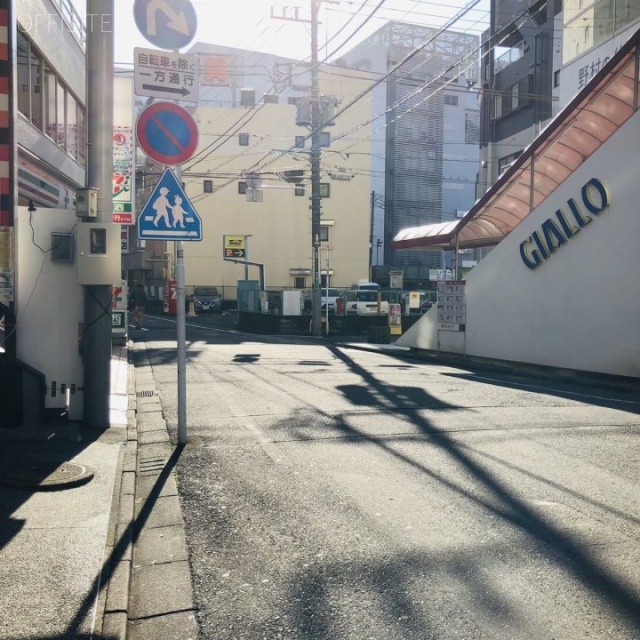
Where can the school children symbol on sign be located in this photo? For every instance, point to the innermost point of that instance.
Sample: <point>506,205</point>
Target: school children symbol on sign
<point>168,214</point>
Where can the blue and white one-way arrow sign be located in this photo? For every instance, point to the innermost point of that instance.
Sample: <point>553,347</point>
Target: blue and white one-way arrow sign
<point>168,24</point>
<point>168,214</point>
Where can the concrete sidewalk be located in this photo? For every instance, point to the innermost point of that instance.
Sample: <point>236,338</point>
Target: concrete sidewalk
<point>64,523</point>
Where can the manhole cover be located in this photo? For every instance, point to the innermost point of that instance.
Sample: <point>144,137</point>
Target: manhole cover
<point>46,475</point>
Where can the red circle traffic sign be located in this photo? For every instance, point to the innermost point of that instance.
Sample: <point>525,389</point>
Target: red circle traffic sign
<point>167,133</point>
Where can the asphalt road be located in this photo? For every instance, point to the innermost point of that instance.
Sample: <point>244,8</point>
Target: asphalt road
<point>331,494</point>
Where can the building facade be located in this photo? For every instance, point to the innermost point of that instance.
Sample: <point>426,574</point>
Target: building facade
<point>549,293</point>
<point>425,132</point>
<point>520,64</point>
<point>535,60</point>
<point>250,177</point>
<point>43,88</point>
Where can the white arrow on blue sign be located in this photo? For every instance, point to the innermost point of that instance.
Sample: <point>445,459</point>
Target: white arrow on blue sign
<point>168,214</point>
<point>168,24</point>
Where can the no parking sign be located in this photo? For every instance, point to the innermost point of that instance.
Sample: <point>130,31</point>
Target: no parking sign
<point>167,133</point>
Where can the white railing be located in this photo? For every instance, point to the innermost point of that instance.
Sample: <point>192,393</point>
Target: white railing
<point>73,20</point>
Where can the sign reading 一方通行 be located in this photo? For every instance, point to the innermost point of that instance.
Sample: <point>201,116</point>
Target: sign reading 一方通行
<point>234,247</point>
<point>163,74</point>
<point>169,214</point>
<point>167,133</point>
<point>167,24</point>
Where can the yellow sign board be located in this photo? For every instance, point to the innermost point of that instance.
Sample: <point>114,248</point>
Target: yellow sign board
<point>234,246</point>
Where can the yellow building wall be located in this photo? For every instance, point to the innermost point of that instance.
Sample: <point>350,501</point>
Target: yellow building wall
<point>280,225</point>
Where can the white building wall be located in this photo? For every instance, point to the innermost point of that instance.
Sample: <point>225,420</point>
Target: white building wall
<point>580,308</point>
<point>48,295</point>
<point>576,74</point>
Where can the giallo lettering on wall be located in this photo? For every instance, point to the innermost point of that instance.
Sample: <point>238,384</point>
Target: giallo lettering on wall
<point>555,232</point>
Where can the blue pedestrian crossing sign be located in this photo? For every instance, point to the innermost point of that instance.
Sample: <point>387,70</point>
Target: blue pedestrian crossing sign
<point>168,214</point>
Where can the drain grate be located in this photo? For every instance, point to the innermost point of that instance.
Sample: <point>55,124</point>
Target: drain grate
<point>152,466</point>
<point>144,394</point>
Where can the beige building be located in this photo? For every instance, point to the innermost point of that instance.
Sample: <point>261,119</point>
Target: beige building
<point>250,177</point>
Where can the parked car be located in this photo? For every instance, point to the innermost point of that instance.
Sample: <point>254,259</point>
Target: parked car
<point>364,302</point>
<point>365,286</point>
<point>329,297</point>
<point>207,299</point>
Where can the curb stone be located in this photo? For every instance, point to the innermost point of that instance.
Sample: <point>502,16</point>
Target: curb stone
<point>121,528</point>
<point>160,603</point>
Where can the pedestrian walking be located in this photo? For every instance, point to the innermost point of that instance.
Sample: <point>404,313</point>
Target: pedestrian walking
<point>139,303</point>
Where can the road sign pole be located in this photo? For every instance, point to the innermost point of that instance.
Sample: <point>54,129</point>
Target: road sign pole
<point>182,345</point>
<point>181,336</point>
<point>168,134</point>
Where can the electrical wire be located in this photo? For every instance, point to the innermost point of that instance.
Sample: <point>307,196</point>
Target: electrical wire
<point>523,15</point>
<point>420,89</point>
<point>260,165</point>
<point>385,75</point>
<point>345,42</point>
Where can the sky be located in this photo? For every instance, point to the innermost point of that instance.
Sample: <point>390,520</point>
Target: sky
<point>248,24</point>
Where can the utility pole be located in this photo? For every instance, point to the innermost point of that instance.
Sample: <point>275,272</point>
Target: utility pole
<point>316,127</point>
<point>316,297</point>
<point>371,214</point>
<point>97,298</point>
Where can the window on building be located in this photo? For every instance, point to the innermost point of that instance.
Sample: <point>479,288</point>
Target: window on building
<point>30,89</point>
<point>450,100</point>
<point>292,100</point>
<point>47,103</point>
<point>81,135</point>
<point>72,126</point>
<point>23,73</point>
<point>207,186</point>
<point>243,139</point>
<point>514,97</point>
<point>51,102</point>
<point>242,188</point>
<point>324,234</point>
<point>299,190</point>
<point>61,99</point>
<point>505,162</point>
<point>300,140</point>
<point>325,190</point>
<point>35,87</point>
<point>556,79</point>
<point>325,139</point>
<point>472,126</point>
<point>247,98</point>
<point>299,282</point>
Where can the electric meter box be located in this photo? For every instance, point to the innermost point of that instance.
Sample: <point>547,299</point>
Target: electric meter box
<point>87,202</point>
<point>98,253</point>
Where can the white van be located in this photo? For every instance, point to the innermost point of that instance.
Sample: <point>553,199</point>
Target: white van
<point>364,302</point>
<point>365,286</point>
